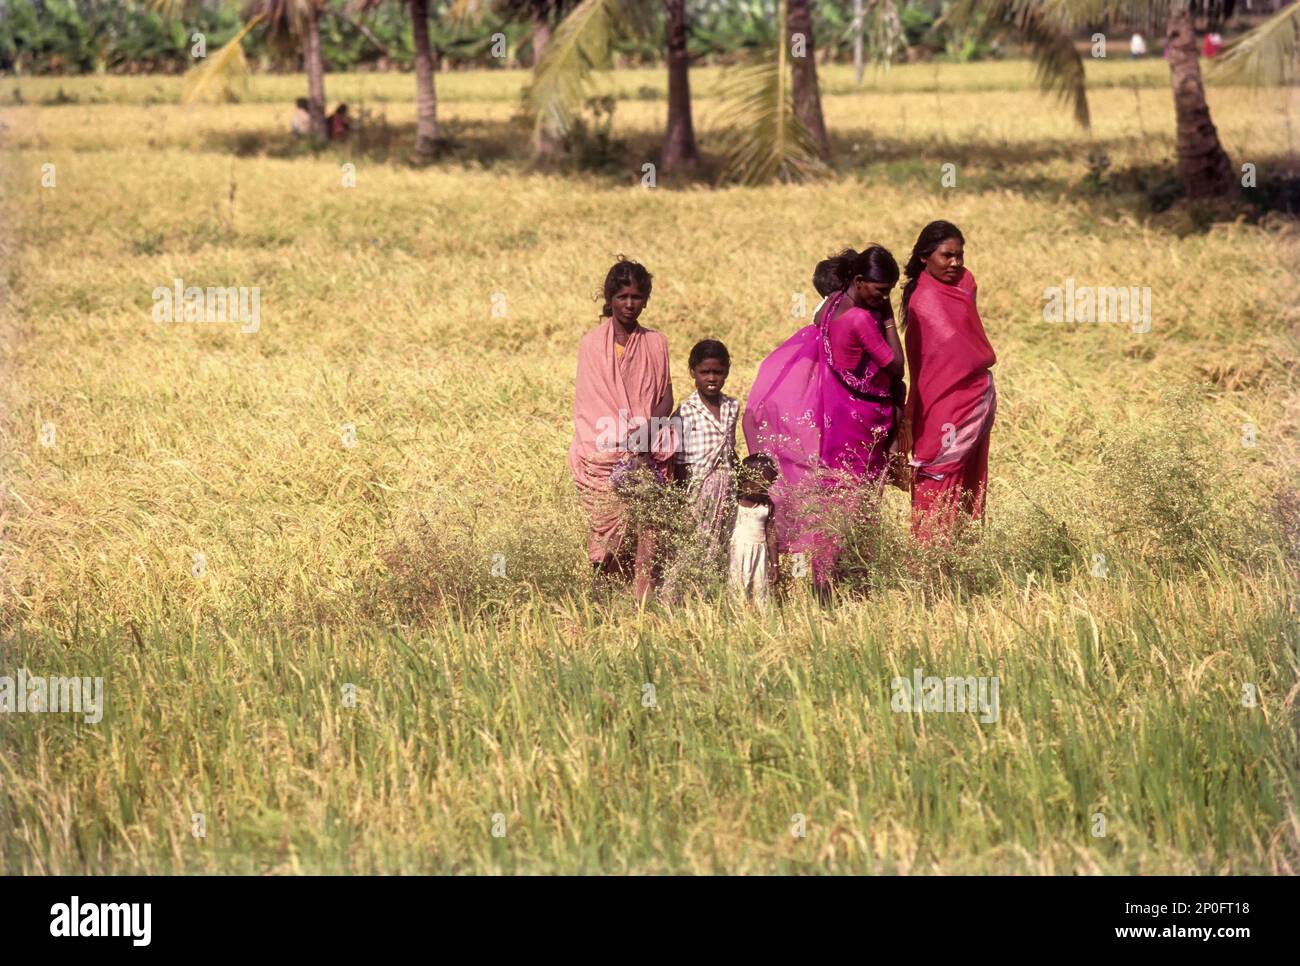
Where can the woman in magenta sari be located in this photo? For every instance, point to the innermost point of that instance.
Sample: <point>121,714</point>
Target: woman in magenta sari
<point>825,406</point>
<point>950,409</point>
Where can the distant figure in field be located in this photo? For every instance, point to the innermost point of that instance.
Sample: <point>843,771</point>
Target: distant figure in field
<point>301,118</point>
<point>621,425</point>
<point>950,408</point>
<point>754,559</point>
<point>340,124</point>
<point>1137,47</point>
<point>1212,45</point>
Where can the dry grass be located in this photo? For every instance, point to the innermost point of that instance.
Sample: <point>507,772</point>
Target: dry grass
<point>328,565</point>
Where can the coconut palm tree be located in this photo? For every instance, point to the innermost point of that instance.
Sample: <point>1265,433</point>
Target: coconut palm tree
<point>542,14</point>
<point>426,92</point>
<point>426,95</point>
<point>1265,55</point>
<point>290,23</point>
<point>766,140</point>
<point>807,93</point>
<point>679,150</point>
<point>581,44</point>
<point>1202,162</point>
<point>297,22</point>
<point>776,128</point>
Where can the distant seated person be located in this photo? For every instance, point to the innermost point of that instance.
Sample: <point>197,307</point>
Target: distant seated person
<point>301,118</point>
<point>1213,44</point>
<point>1137,47</point>
<point>339,123</point>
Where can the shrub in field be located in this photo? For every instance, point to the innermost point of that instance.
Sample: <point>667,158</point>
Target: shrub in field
<point>435,567</point>
<point>590,143</point>
<point>1158,483</point>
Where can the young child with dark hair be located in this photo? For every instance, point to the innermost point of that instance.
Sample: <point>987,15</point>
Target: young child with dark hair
<point>754,559</point>
<point>706,455</point>
<point>826,280</point>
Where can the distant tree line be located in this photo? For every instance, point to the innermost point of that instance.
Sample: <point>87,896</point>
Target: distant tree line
<point>777,129</point>
<point>144,36</point>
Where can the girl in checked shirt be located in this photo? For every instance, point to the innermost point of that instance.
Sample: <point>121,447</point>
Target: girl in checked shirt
<point>706,456</point>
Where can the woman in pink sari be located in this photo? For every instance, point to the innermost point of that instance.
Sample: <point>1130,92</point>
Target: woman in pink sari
<point>621,421</point>
<point>950,410</point>
<point>825,406</point>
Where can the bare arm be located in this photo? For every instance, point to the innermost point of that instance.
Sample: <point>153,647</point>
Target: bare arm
<point>895,368</point>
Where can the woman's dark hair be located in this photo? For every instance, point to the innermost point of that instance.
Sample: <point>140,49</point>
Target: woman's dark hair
<point>625,272</point>
<point>932,236</point>
<point>761,463</point>
<point>709,349</point>
<point>873,263</point>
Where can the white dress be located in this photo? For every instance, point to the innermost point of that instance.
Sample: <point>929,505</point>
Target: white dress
<point>749,552</point>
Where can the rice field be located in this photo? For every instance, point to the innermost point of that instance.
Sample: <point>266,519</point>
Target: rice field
<point>332,570</point>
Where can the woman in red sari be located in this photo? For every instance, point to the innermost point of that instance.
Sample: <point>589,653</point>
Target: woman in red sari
<point>950,408</point>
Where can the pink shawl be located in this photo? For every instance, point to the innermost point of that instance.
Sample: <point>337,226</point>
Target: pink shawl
<point>614,405</point>
<point>818,423</point>
<point>952,402</point>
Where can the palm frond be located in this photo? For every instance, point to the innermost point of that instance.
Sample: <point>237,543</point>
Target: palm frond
<point>1265,56</point>
<point>224,73</point>
<point>1044,26</point>
<point>1057,62</point>
<point>286,20</point>
<point>764,140</point>
<point>581,44</point>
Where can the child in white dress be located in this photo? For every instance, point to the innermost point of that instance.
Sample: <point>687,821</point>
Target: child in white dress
<point>754,556</point>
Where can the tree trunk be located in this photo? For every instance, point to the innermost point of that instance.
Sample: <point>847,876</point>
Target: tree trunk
<point>857,42</point>
<point>807,95</point>
<point>314,64</point>
<point>679,142</point>
<point>1202,162</point>
<point>541,30</point>
<point>426,95</point>
<point>546,146</point>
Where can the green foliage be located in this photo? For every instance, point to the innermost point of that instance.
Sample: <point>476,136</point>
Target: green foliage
<point>81,36</point>
<point>590,143</point>
<point>130,36</point>
<point>917,23</point>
